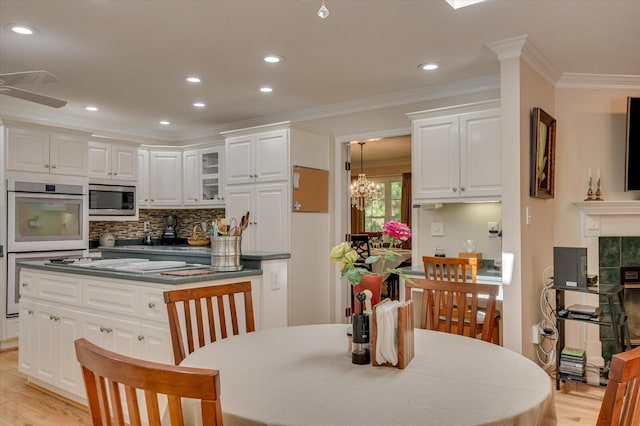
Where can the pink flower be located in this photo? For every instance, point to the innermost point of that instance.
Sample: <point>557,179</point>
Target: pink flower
<point>397,230</point>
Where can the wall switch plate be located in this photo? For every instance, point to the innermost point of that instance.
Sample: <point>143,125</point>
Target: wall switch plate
<point>147,226</point>
<point>437,229</point>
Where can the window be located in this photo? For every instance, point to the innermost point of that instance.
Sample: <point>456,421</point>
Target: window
<point>385,208</point>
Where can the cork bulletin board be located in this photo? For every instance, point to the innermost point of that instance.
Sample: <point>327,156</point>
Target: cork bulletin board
<point>310,190</point>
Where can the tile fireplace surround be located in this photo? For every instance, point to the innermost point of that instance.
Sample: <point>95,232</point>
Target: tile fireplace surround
<point>600,219</point>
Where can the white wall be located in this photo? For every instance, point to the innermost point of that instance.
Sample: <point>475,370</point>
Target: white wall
<point>310,289</point>
<point>462,222</point>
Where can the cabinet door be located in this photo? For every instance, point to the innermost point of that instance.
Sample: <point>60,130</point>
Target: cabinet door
<point>272,222</point>
<point>142,189</point>
<point>212,175</point>
<point>68,154</point>
<point>190,178</point>
<point>124,161</point>
<point>435,158</point>
<point>28,150</point>
<point>155,344</point>
<point>165,178</point>
<point>272,156</point>
<point>240,159</point>
<point>116,335</point>
<point>99,160</point>
<point>480,147</point>
<point>240,200</point>
<point>27,343</point>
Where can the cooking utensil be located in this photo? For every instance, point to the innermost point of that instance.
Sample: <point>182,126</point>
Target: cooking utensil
<point>246,221</point>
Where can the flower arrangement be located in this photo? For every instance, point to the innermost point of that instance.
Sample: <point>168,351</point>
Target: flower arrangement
<point>346,257</point>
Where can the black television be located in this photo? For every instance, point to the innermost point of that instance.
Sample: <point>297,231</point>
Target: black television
<point>632,152</point>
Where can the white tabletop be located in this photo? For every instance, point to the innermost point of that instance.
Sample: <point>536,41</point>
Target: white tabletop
<point>303,376</point>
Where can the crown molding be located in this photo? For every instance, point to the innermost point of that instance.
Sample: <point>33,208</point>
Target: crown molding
<point>522,47</point>
<point>598,81</point>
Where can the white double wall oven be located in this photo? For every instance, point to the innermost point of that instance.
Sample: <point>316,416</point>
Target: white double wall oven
<point>45,220</point>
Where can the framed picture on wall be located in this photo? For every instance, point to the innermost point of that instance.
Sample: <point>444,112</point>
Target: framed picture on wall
<point>543,148</point>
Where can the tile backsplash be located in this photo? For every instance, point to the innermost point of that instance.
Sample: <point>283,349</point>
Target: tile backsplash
<point>156,217</point>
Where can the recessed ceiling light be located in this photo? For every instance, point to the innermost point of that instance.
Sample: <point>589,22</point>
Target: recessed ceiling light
<point>91,108</point>
<point>457,4</point>
<point>193,79</point>
<point>273,59</point>
<point>199,104</point>
<point>165,122</point>
<point>22,29</point>
<point>428,66</point>
<point>266,89</point>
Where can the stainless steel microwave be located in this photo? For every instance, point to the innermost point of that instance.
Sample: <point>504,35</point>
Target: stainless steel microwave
<point>112,200</point>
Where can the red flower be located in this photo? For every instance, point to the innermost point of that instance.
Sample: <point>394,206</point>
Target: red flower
<point>397,230</point>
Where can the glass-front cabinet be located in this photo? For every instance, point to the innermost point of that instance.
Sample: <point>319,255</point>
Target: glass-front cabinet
<point>203,176</point>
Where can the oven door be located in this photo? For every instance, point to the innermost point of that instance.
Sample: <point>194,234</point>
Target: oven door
<point>41,222</point>
<point>13,273</point>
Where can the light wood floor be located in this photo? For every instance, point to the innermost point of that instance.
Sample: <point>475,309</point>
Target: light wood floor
<point>23,405</point>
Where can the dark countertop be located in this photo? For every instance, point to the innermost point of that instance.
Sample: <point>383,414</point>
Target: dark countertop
<point>156,278</point>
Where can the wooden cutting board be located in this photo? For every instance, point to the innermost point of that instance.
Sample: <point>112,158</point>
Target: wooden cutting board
<point>188,272</point>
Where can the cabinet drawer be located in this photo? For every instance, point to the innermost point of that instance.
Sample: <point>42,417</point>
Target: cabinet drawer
<point>59,288</point>
<point>28,284</point>
<point>151,305</point>
<point>106,296</point>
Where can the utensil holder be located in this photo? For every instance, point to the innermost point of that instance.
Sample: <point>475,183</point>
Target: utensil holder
<point>225,253</point>
<point>406,350</point>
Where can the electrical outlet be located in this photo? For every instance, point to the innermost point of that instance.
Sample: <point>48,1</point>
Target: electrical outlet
<point>493,229</point>
<point>275,281</point>
<point>536,331</point>
<point>147,226</point>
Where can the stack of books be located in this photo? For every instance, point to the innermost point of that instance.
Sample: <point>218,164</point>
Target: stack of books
<point>572,363</point>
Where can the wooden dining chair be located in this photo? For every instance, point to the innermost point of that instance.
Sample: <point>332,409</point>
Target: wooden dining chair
<point>621,402</point>
<point>360,243</point>
<point>440,312</point>
<point>457,269</point>
<point>202,315</point>
<point>113,382</point>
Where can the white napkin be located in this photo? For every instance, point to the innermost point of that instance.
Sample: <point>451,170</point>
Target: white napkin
<point>387,328</point>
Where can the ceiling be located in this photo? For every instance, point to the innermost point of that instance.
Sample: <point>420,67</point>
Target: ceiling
<point>131,58</point>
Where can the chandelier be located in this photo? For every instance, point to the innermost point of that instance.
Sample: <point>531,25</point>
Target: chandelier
<point>363,190</point>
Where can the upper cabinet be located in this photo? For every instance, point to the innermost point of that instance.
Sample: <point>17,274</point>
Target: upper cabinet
<point>260,157</point>
<point>165,178</point>
<point>203,176</point>
<point>112,161</point>
<point>50,151</point>
<point>456,153</point>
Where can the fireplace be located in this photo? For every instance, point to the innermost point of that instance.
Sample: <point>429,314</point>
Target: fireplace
<point>630,280</point>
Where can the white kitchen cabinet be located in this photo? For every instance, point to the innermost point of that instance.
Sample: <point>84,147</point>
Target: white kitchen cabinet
<point>269,207</point>
<point>258,157</point>
<point>203,177</point>
<point>142,189</point>
<point>165,178</point>
<point>27,353</point>
<point>31,149</point>
<point>112,161</point>
<point>456,156</point>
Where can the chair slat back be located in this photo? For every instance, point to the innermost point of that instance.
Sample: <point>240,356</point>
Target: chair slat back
<point>621,402</point>
<point>441,312</point>
<point>360,243</point>
<point>197,314</point>
<point>450,268</point>
<point>110,377</point>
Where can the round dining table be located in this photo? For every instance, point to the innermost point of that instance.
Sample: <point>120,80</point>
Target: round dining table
<point>303,375</point>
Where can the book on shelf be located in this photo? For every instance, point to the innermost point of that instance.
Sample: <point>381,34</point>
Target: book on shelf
<point>573,352</point>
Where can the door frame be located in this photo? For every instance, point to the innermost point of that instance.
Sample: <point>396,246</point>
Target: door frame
<point>342,212</point>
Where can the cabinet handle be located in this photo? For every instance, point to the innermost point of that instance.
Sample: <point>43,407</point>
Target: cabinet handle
<point>462,188</point>
<point>153,199</point>
<point>54,318</point>
<point>30,311</point>
<point>46,166</point>
<point>140,338</point>
<point>455,189</point>
<point>105,330</point>
<point>146,199</point>
<point>25,284</point>
<point>53,166</point>
<point>109,173</point>
<point>115,174</point>
<point>151,305</point>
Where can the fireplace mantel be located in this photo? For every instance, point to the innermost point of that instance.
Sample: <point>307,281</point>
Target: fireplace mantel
<point>602,219</point>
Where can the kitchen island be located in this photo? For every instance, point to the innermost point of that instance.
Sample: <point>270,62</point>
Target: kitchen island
<point>120,311</point>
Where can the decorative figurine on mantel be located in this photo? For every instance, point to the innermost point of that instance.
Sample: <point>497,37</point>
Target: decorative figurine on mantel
<point>590,194</point>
